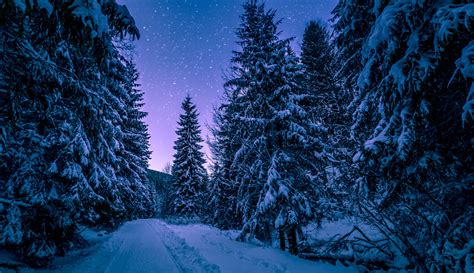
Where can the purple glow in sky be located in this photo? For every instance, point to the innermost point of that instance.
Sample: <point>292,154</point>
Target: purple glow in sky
<point>185,47</point>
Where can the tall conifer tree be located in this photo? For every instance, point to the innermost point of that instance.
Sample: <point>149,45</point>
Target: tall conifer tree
<point>278,144</point>
<point>329,103</point>
<point>223,187</point>
<point>353,20</point>
<point>317,58</point>
<point>414,124</point>
<point>65,92</point>
<point>188,165</point>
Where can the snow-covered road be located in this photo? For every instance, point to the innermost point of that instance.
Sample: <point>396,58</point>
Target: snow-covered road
<point>136,245</point>
<point>152,246</point>
<point>146,246</point>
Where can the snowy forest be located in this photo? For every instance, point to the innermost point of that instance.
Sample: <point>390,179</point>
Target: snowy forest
<point>356,152</point>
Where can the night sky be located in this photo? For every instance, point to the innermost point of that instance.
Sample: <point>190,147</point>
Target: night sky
<point>185,47</point>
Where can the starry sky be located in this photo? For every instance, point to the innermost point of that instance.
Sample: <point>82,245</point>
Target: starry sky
<point>185,47</point>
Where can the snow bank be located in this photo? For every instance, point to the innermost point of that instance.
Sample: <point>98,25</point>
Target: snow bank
<point>231,256</point>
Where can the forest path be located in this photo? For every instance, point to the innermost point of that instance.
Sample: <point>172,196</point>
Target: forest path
<point>146,246</point>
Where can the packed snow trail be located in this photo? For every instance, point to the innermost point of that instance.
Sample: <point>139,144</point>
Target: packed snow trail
<point>132,246</point>
<point>140,246</point>
<point>152,246</point>
<point>146,246</point>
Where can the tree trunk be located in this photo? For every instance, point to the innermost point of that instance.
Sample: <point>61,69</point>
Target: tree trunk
<point>268,233</point>
<point>293,241</point>
<point>281,232</point>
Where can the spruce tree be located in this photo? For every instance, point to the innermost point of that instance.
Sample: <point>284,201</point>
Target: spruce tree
<point>223,187</point>
<point>353,20</point>
<point>279,144</point>
<point>64,156</point>
<point>188,166</point>
<point>329,103</point>
<point>317,58</point>
<point>136,147</point>
<point>413,121</point>
<point>319,67</point>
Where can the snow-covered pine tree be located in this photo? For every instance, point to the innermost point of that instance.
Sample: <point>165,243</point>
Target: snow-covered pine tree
<point>224,144</point>
<point>279,147</point>
<point>136,152</point>
<point>189,175</point>
<point>62,159</point>
<point>329,103</point>
<point>414,121</point>
<point>317,58</point>
<point>353,20</point>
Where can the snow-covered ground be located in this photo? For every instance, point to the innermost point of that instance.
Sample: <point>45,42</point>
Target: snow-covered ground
<point>219,248</point>
<point>146,246</point>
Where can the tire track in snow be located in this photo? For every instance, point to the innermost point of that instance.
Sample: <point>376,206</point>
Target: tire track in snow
<point>188,258</point>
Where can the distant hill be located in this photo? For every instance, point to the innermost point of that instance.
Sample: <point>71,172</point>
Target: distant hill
<point>160,180</point>
<point>162,184</point>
